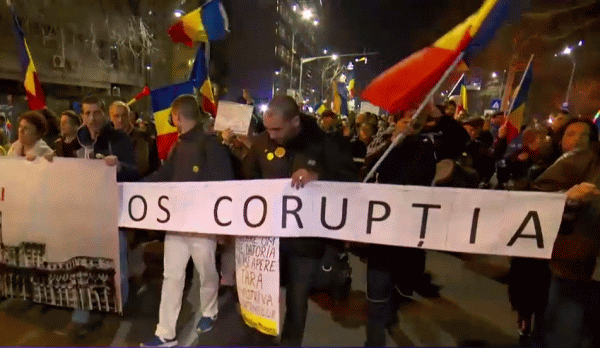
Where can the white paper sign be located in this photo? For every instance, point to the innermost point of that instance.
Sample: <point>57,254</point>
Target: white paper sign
<point>235,116</point>
<point>460,220</point>
<point>257,275</point>
<point>59,221</point>
<point>368,107</point>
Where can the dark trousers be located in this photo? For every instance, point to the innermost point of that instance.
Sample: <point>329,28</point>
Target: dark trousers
<point>571,319</point>
<point>389,268</point>
<point>301,272</point>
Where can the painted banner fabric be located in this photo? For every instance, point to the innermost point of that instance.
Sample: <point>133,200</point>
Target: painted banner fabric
<point>459,220</point>
<point>257,280</point>
<point>58,233</point>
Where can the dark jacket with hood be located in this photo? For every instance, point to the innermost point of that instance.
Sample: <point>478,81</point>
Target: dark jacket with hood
<point>311,149</point>
<point>195,156</point>
<point>109,142</point>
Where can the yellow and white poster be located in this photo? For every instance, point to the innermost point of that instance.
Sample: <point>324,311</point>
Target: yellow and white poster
<point>257,273</point>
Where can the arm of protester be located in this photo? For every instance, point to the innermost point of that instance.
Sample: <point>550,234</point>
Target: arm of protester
<point>302,177</point>
<point>220,168</point>
<point>582,193</point>
<point>153,156</point>
<point>165,171</point>
<point>49,156</point>
<point>228,136</point>
<point>123,150</point>
<point>251,163</point>
<point>336,161</point>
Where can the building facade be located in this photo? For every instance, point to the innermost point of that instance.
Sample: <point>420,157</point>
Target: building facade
<point>80,282</point>
<point>107,48</point>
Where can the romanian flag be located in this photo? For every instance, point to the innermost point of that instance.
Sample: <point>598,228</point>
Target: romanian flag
<point>199,77</point>
<point>33,88</point>
<point>460,89</point>
<point>162,99</point>
<point>204,24</point>
<point>144,93</point>
<point>352,84</point>
<point>322,108</point>
<point>405,85</point>
<point>515,118</point>
<point>340,98</point>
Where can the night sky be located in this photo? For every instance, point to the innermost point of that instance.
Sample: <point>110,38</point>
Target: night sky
<point>392,27</point>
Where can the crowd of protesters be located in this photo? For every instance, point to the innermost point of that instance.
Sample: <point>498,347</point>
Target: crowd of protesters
<point>556,300</point>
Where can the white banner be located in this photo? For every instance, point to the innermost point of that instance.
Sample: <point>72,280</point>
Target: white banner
<point>459,220</point>
<point>257,275</point>
<point>58,234</point>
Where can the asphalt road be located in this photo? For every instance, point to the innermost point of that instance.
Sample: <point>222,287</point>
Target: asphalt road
<point>472,309</point>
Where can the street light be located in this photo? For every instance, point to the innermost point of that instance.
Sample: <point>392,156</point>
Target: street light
<point>325,51</point>
<point>307,14</point>
<point>494,75</point>
<point>178,13</point>
<point>567,52</point>
<point>333,56</point>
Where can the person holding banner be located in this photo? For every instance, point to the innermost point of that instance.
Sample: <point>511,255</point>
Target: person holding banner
<point>196,156</point>
<point>32,127</point>
<point>571,318</point>
<point>145,147</point>
<point>393,271</point>
<point>100,141</point>
<point>294,146</point>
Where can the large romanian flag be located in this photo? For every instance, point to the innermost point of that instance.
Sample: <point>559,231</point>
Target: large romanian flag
<point>201,80</point>
<point>204,24</point>
<point>33,88</point>
<point>405,85</point>
<point>516,114</point>
<point>161,106</point>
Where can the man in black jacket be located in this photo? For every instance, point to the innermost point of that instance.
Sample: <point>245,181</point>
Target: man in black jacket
<point>294,146</point>
<point>391,270</point>
<point>195,157</point>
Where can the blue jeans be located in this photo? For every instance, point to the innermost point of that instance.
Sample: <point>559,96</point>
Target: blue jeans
<point>571,318</point>
<point>301,272</point>
<point>82,316</point>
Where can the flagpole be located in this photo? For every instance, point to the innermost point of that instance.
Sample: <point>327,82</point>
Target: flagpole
<point>426,101</point>
<point>456,85</point>
<point>512,102</point>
